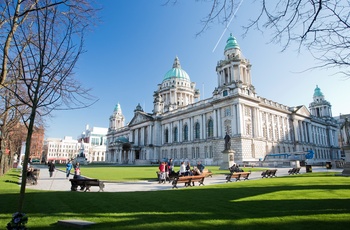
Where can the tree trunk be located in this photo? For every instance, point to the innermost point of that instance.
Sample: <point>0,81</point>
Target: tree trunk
<point>26,159</point>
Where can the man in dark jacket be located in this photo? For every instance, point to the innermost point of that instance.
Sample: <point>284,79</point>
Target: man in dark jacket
<point>51,168</point>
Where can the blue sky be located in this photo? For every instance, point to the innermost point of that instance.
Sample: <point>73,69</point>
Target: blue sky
<point>135,44</point>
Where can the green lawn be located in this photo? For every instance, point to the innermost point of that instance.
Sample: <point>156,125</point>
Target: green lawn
<point>308,201</point>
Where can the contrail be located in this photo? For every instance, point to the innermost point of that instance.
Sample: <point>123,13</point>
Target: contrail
<point>234,14</point>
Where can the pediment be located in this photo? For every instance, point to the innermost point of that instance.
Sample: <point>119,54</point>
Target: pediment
<point>139,118</point>
<point>302,111</point>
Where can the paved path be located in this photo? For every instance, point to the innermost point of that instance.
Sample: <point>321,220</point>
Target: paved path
<point>59,182</point>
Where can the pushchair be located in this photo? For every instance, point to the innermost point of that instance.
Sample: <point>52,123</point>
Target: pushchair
<point>162,177</point>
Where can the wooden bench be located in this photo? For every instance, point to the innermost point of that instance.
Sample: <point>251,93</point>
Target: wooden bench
<point>85,184</point>
<point>269,173</point>
<point>32,177</point>
<point>188,180</point>
<point>237,176</point>
<point>293,171</point>
<point>207,173</point>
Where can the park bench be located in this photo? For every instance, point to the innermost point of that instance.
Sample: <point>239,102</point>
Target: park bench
<point>293,171</point>
<point>188,180</point>
<point>207,173</point>
<point>32,177</point>
<point>269,173</point>
<point>238,176</point>
<point>86,183</point>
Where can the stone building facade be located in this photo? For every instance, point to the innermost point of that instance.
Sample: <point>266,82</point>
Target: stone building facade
<point>185,128</point>
<point>93,141</point>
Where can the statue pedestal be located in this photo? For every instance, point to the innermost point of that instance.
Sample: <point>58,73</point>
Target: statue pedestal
<point>346,170</point>
<point>227,159</point>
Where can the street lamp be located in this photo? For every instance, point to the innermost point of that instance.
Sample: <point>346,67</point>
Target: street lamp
<point>1,124</point>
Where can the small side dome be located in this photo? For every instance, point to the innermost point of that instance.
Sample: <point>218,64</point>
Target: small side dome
<point>231,43</point>
<point>117,109</point>
<point>121,140</point>
<point>138,108</point>
<point>317,92</point>
<point>176,72</point>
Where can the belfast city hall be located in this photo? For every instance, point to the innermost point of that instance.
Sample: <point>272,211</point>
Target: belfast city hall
<point>184,128</point>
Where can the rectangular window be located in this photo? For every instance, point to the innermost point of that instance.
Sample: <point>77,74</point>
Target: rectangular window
<point>227,111</point>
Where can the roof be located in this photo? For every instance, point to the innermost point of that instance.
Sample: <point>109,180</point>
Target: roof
<point>176,72</point>
<point>317,92</point>
<point>118,108</point>
<point>231,43</point>
<point>121,140</point>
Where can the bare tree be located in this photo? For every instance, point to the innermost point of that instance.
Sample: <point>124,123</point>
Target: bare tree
<point>10,113</point>
<point>321,26</point>
<point>42,56</point>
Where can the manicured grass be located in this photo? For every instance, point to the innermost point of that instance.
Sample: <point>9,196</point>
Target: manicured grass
<point>308,201</point>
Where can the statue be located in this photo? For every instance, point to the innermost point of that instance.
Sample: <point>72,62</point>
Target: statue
<point>227,141</point>
<point>346,127</point>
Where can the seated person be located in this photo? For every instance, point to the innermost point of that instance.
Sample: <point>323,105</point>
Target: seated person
<point>235,168</point>
<point>188,170</point>
<point>31,178</point>
<point>200,166</point>
<point>196,171</point>
<point>182,169</point>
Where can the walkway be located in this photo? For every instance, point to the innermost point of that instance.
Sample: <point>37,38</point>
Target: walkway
<point>59,182</point>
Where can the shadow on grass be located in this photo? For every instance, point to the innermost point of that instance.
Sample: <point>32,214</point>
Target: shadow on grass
<point>222,207</point>
<point>13,182</point>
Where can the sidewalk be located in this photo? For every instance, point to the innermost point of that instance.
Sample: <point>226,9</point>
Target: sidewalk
<point>59,182</point>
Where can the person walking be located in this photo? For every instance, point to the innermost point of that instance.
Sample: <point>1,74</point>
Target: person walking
<point>51,168</point>
<point>68,168</point>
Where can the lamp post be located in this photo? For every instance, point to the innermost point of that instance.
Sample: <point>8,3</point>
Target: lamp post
<point>1,124</point>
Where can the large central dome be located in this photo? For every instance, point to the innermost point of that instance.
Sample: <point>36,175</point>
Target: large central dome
<point>176,72</point>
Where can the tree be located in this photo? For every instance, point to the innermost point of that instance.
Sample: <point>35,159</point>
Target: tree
<point>11,136</point>
<point>43,51</point>
<point>320,26</point>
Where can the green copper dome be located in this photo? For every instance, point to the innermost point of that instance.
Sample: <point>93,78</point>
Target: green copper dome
<point>176,72</point>
<point>317,92</point>
<point>121,140</point>
<point>117,108</point>
<point>231,43</point>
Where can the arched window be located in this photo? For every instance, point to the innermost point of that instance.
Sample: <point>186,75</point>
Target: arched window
<point>175,134</point>
<point>185,133</point>
<point>166,136</point>
<point>210,128</point>
<point>196,131</point>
